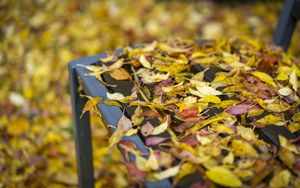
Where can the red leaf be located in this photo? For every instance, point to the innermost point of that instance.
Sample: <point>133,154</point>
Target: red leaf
<point>190,112</point>
<point>191,141</point>
<point>163,83</point>
<point>126,144</point>
<point>135,172</point>
<point>240,109</point>
<point>200,184</point>
<point>154,140</point>
<point>296,164</point>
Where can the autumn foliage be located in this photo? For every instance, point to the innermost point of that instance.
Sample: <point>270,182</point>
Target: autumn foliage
<point>39,38</point>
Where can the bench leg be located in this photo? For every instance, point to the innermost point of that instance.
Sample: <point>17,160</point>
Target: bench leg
<point>285,26</point>
<point>82,134</point>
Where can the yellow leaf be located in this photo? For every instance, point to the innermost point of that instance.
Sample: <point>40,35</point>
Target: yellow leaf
<point>66,177</point>
<point>243,148</point>
<point>116,137</point>
<point>198,54</point>
<point>229,159</point>
<point>269,119</point>
<point>170,172</point>
<point>140,162</point>
<point>251,61</point>
<point>190,100</point>
<point>296,116</point>
<point>136,117</point>
<point>282,76</point>
<point>206,91</point>
<point>170,88</point>
<point>198,83</point>
<point>131,132</point>
<point>206,60</point>
<point>285,91</point>
<point>281,179</point>
<point>244,174</point>
<point>115,96</point>
<point>287,157</point>
<point>186,169</point>
<point>3,121</point>
<point>118,64</point>
<point>199,76</point>
<point>113,103</point>
<point>246,133</point>
<point>230,58</point>
<point>294,127</point>
<point>204,140</point>
<point>17,99</point>
<point>170,49</point>
<point>254,112</point>
<point>287,145</point>
<point>91,104</point>
<point>294,80</point>
<point>150,47</point>
<point>220,77</point>
<point>123,126</point>
<point>207,122</point>
<point>223,176</point>
<point>211,98</point>
<point>53,137</point>
<point>203,91</point>
<point>162,127</point>
<point>107,59</point>
<point>195,92</point>
<point>152,77</point>
<point>277,107</point>
<point>152,162</point>
<point>120,74</point>
<point>18,126</point>
<point>120,97</point>
<point>227,103</point>
<point>221,128</point>
<point>264,77</point>
<point>145,62</point>
<point>296,182</point>
<point>246,163</point>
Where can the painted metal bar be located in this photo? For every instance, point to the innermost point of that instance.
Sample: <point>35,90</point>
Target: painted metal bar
<point>110,114</point>
<point>286,25</point>
<point>82,133</point>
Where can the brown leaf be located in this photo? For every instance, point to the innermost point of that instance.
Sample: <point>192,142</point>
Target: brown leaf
<point>150,114</point>
<point>268,63</point>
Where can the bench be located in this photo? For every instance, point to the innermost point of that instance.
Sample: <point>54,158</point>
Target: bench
<point>112,114</point>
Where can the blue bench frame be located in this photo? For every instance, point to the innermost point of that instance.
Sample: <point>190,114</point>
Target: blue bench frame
<point>111,114</point>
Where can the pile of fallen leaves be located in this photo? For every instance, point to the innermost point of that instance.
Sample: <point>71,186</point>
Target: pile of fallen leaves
<point>197,107</point>
<point>38,39</point>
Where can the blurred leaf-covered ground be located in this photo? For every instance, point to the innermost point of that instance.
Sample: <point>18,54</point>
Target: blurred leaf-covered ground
<point>38,39</point>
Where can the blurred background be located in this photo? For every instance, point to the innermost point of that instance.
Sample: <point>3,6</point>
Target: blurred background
<point>38,39</point>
